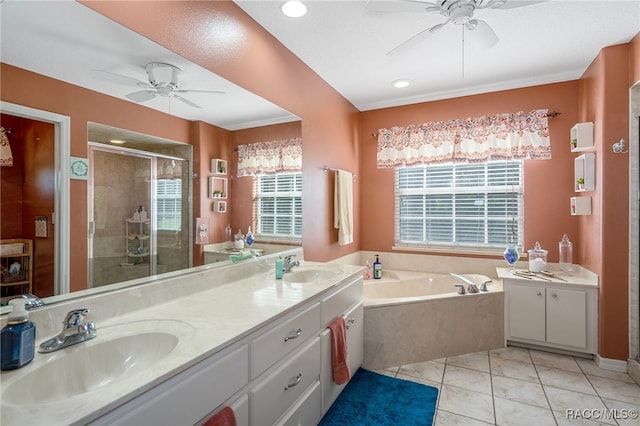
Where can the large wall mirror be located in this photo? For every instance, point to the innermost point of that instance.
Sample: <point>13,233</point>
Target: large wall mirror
<point>104,88</point>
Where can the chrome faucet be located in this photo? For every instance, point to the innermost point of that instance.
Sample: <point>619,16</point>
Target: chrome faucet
<point>471,286</point>
<point>74,331</point>
<point>288,264</point>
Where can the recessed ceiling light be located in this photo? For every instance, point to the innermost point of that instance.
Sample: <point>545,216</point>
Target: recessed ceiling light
<point>294,8</point>
<point>401,83</point>
<point>117,141</point>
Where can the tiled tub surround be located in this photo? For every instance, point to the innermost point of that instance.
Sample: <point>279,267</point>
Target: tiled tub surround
<point>221,306</point>
<point>407,331</point>
<point>413,329</point>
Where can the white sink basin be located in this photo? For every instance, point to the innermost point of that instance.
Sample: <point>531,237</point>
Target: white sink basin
<point>311,274</point>
<point>93,364</point>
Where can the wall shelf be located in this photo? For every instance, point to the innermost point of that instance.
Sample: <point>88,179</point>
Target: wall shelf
<point>582,137</point>
<point>584,172</point>
<point>218,187</point>
<point>218,166</point>
<point>580,206</point>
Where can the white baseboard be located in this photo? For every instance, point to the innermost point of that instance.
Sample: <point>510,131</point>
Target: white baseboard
<point>611,364</point>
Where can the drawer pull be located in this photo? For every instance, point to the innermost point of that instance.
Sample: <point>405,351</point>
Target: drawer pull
<point>297,334</point>
<point>295,381</point>
<point>539,293</point>
<point>350,322</point>
<point>554,295</point>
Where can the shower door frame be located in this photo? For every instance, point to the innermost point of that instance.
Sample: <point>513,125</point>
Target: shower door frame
<point>153,158</point>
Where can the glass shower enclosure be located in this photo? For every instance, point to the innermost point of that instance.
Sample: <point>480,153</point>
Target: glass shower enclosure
<point>140,214</point>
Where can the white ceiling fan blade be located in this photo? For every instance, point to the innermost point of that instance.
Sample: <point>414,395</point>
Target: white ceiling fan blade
<point>513,4</point>
<point>142,95</point>
<point>422,35</point>
<point>215,92</point>
<point>186,101</point>
<point>112,77</point>
<point>384,8</point>
<point>482,36</point>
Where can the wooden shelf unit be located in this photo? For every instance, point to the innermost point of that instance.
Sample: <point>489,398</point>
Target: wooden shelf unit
<point>20,251</point>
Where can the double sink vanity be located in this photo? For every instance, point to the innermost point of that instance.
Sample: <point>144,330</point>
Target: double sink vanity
<point>180,349</point>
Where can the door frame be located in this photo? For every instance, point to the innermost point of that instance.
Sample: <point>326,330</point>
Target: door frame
<point>61,216</point>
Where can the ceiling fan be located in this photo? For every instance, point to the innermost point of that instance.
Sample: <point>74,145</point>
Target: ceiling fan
<point>164,80</point>
<point>460,12</point>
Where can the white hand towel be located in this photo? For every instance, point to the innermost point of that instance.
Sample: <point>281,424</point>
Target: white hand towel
<point>343,207</point>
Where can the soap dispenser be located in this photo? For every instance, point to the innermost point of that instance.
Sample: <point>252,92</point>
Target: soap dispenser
<point>17,337</point>
<point>377,269</point>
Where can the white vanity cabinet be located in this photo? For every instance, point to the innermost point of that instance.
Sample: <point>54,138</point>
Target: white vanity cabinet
<point>554,314</point>
<point>275,375</point>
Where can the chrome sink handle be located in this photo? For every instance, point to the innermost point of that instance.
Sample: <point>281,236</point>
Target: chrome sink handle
<point>74,317</point>
<point>460,288</point>
<point>288,264</point>
<point>74,331</point>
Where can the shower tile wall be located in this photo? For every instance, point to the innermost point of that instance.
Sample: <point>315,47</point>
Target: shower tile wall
<point>121,185</point>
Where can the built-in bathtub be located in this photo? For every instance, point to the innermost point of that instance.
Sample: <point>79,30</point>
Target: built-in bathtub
<point>419,316</point>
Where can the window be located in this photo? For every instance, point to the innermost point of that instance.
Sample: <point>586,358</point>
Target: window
<point>169,208</point>
<point>278,205</point>
<point>459,206</point>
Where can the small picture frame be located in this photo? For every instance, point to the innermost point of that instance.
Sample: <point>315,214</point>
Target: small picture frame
<point>79,168</point>
<point>218,166</point>
<point>220,206</point>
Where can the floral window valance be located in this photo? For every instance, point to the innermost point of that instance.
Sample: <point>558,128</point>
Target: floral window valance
<point>270,157</point>
<point>502,136</point>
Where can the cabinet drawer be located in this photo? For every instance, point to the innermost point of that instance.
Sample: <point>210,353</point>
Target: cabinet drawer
<point>338,302</point>
<point>306,410</point>
<point>277,342</point>
<point>270,398</point>
<point>187,397</point>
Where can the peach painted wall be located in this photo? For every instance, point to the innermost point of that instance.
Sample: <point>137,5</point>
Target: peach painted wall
<point>256,61</point>
<point>604,100</point>
<point>634,62</point>
<point>36,91</point>
<point>548,183</point>
<point>210,142</point>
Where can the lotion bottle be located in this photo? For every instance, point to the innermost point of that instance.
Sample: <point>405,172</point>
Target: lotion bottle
<point>18,337</point>
<point>279,268</point>
<point>377,269</point>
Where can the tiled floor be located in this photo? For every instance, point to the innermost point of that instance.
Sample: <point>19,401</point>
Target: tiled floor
<point>516,386</point>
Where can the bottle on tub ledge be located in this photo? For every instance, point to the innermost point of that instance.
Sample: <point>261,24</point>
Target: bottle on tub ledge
<point>367,271</point>
<point>377,268</point>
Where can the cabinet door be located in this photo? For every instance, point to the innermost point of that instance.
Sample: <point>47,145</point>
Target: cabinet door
<point>526,312</point>
<point>567,317</point>
<point>355,351</point>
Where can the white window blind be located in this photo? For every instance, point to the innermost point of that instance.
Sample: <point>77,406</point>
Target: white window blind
<point>168,204</point>
<point>278,205</point>
<point>459,206</point>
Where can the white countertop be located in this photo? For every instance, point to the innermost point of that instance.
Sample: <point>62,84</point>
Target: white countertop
<point>207,321</point>
<point>579,277</point>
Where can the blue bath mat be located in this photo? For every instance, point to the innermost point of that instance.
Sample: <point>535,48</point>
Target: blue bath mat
<point>372,399</point>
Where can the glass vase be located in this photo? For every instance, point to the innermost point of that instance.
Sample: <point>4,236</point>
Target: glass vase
<point>511,255</point>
